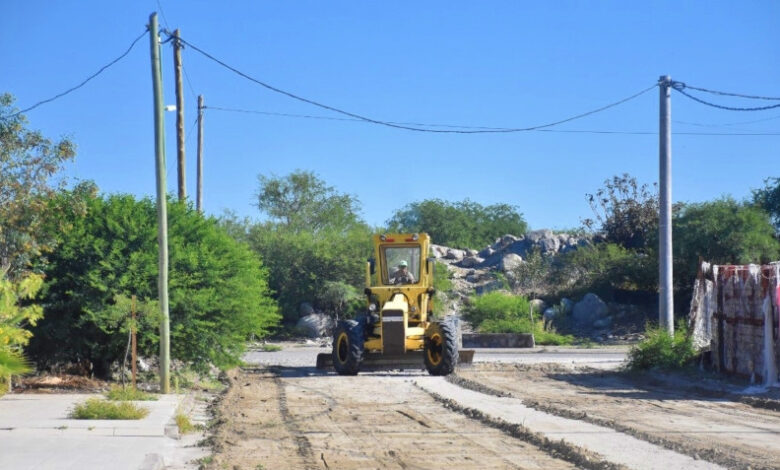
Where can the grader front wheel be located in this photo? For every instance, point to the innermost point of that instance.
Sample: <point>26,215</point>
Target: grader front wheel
<point>441,347</point>
<point>348,347</point>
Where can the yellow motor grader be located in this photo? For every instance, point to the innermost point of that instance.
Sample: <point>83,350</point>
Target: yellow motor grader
<point>398,331</point>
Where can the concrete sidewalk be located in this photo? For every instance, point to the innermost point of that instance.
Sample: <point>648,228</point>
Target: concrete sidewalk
<point>36,433</point>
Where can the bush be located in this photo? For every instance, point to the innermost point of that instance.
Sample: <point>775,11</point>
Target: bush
<point>659,349</point>
<point>96,408</point>
<point>129,394</point>
<point>497,306</point>
<point>218,291</point>
<point>500,312</point>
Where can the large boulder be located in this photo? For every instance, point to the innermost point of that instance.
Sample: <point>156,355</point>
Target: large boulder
<point>538,305</point>
<point>510,261</point>
<point>568,306</point>
<point>305,309</point>
<point>316,325</point>
<point>470,262</point>
<point>486,252</point>
<point>454,254</point>
<point>589,309</point>
<point>537,235</point>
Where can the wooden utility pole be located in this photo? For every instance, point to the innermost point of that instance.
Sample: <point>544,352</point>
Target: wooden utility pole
<point>162,205</point>
<point>179,117</point>
<point>199,198</point>
<point>665,291</point>
<point>134,344</point>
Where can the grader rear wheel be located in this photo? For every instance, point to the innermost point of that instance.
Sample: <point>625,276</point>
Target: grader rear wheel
<point>348,347</point>
<point>441,347</point>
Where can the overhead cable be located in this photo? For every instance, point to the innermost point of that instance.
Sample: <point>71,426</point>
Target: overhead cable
<point>571,131</point>
<point>405,127</point>
<point>101,70</point>
<point>738,95</point>
<point>680,87</point>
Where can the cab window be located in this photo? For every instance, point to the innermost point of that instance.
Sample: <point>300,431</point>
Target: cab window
<point>395,259</point>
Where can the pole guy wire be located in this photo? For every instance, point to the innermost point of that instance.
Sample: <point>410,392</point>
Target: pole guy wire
<point>405,127</point>
<point>60,95</point>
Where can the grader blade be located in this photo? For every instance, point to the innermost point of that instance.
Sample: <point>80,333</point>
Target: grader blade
<point>377,362</point>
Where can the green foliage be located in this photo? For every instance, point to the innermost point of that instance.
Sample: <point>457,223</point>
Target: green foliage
<point>340,299</point>
<point>271,348</point>
<point>218,294</point>
<point>532,275</point>
<point>28,163</point>
<point>315,245</point>
<point>497,305</point>
<point>118,393</point>
<point>301,201</point>
<point>625,212</point>
<point>302,263</point>
<point>184,423</point>
<point>15,317</point>
<point>603,269</point>
<point>96,408</point>
<point>464,224</point>
<point>768,198</point>
<point>659,349</point>
<point>722,231</point>
<point>442,283</point>
<point>500,312</point>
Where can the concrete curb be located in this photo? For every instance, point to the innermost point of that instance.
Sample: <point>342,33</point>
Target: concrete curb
<point>498,340</point>
<point>152,462</point>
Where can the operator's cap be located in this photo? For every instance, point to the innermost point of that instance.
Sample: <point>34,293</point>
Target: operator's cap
<point>402,264</point>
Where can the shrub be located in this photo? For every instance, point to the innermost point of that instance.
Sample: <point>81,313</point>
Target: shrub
<point>129,394</point>
<point>500,312</point>
<point>96,408</point>
<point>218,287</point>
<point>497,305</point>
<point>659,349</point>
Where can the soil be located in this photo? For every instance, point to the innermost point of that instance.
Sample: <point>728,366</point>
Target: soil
<point>294,418</point>
<point>690,414</point>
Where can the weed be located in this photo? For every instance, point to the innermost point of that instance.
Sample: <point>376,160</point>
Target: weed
<point>271,347</point>
<point>96,408</point>
<point>184,423</point>
<point>118,393</point>
<point>659,349</point>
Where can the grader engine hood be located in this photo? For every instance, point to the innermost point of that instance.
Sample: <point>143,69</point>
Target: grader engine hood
<point>395,318</point>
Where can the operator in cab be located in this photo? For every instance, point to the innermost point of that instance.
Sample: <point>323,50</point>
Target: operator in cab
<point>402,275</point>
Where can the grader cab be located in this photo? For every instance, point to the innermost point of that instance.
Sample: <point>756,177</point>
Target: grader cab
<point>398,330</point>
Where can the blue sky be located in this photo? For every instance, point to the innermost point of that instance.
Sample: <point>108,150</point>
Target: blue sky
<point>498,64</point>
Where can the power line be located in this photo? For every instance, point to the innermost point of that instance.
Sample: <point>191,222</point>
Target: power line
<point>570,131</point>
<point>405,127</point>
<point>724,93</point>
<point>727,124</point>
<point>680,86</point>
<point>101,70</point>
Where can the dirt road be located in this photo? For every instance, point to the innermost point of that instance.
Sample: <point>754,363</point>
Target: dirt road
<point>289,416</point>
<point>279,419</point>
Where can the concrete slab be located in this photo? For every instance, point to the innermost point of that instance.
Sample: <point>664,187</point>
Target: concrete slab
<point>36,433</point>
<point>613,446</point>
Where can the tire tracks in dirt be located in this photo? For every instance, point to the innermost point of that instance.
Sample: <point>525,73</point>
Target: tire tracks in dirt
<point>709,454</point>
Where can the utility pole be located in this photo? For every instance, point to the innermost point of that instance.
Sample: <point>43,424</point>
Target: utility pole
<point>162,209</point>
<point>665,291</point>
<point>199,198</point>
<point>179,116</point>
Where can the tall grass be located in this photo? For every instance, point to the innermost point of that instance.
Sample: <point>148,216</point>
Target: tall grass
<point>661,350</point>
<point>97,408</point>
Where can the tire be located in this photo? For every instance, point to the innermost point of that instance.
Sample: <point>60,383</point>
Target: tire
<point>441,347</point>
<point>348,347</point>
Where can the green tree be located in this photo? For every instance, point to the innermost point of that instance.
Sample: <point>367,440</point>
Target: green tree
<point>314,238</point>
<point>14,318</point>
<point>722,231</point>
<point>301,201</point>
<point>768,198</point>
<point>464,224</point>
<point>626,212</point>
<point>218,287</point>
<point>28,163</point>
